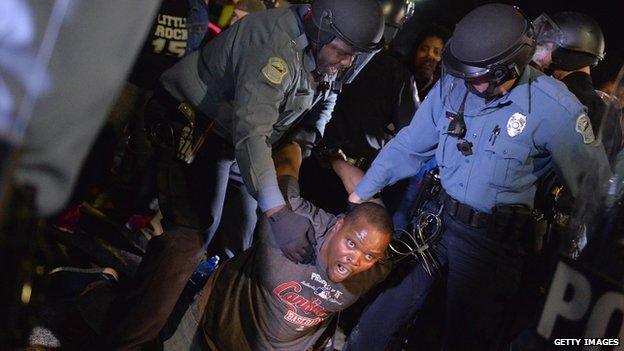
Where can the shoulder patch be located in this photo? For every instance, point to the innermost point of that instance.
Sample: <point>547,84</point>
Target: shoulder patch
<point>584,127</point>
<point>275,70</point>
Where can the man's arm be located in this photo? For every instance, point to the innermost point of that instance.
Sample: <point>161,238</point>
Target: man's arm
<point>311,129</point>
<point>575,156</point>
<point>287,164</point>
<point>263,77</point>
<point>350,175</point>
<point>403,156</point>
<point>579,160</point>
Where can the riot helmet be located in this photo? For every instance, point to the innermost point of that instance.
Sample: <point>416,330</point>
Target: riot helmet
<point>358,23</point>
<point>396,12</point>
<point>576,38</point>
<point>493,43</point>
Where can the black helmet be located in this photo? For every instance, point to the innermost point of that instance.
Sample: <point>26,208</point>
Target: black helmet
<point>579,41</point>
<point>493,41</point>
<point>396,12</point>
<point>359,23</point>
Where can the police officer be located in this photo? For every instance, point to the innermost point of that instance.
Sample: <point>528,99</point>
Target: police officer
<point>495,126</point>
<point>368,112</point>
<point>216,117</point>
<point>569,45</point>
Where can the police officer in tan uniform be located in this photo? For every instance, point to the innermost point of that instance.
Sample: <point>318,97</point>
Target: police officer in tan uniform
<point>215,119</point>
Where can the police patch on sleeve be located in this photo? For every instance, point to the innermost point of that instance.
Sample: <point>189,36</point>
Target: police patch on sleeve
<point>584,127</point>
<point>275,70</point>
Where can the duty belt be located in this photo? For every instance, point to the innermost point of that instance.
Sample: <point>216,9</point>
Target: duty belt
<point>505,222</point>
<point>464,213</point>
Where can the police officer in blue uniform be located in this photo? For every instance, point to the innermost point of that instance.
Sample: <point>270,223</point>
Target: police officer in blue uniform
<point>495,126</point>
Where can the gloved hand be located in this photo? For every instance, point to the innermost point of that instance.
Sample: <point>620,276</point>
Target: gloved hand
<point>294,235</point>
<point>306,138</point>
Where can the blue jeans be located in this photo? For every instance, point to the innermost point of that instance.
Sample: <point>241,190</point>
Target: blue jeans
<point>196,24</point>
<point>482,277</point>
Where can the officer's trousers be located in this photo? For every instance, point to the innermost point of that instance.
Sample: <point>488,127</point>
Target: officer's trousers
<point>191,199</point>
<point>481,276</point>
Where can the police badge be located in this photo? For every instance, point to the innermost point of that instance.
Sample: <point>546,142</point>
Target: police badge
<point>516,124</point>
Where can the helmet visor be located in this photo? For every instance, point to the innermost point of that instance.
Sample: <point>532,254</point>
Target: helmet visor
<point>359,61</point>
<point>360,47</point>
<point>459,69</point>
<point>547,31</point>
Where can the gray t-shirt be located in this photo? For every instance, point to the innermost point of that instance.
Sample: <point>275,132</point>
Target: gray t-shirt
<point>263,301</point>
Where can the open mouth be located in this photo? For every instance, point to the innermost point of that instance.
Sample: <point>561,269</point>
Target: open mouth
<point>428,67</point>
<point>329,70</point>
<point>342,270</point>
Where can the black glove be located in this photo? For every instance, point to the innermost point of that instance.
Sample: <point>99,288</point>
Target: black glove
<point>294,235</point>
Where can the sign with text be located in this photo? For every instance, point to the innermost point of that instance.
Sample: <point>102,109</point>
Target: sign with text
<point>582,309</point>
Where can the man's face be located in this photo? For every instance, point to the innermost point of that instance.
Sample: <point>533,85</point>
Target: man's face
<point>353,248</point>
<point>482,84</point>
<point>428,57</point>
<point>543,55</point>
<point>334,57</point>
